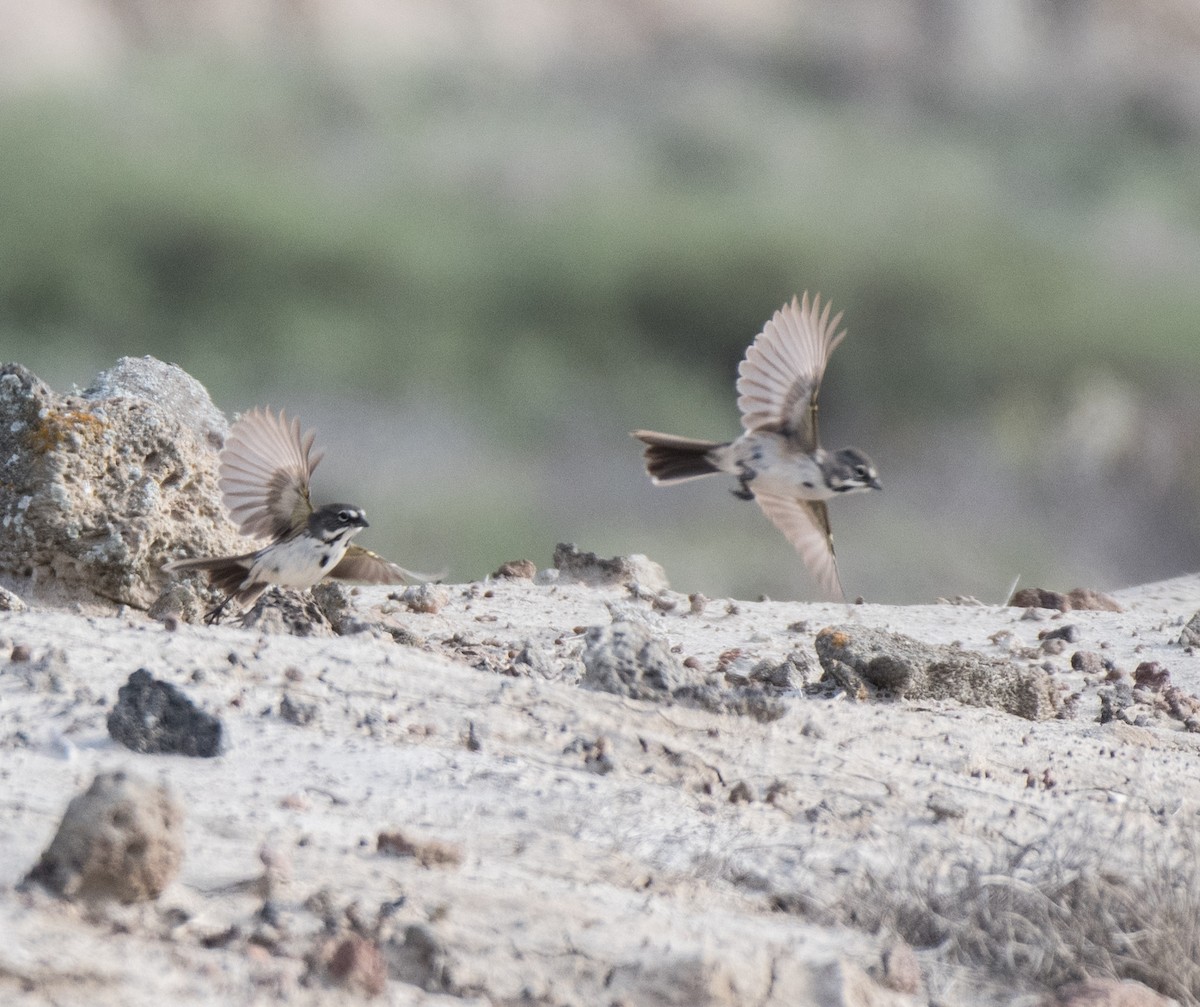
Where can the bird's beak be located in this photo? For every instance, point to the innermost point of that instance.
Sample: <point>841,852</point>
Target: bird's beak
<point>875,484</point>
<point>363,522</point>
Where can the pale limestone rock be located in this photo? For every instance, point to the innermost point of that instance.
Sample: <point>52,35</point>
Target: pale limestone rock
<point>99,489</point>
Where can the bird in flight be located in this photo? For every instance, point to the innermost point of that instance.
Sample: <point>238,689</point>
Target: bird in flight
<point>265,470</point>
<point>778,460</point>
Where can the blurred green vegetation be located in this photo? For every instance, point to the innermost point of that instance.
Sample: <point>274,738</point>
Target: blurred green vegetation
<point>248,221</point>
<point>598,248</point>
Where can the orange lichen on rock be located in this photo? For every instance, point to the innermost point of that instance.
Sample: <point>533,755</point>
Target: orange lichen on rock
<point>835,637</point>
<point>55,428</point>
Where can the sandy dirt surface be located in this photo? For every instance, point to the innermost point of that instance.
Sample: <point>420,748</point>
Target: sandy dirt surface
<point>746,834</point>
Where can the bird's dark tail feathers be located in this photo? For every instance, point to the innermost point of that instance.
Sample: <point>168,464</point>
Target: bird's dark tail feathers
<point>671,459</point>
<point>226,574</point>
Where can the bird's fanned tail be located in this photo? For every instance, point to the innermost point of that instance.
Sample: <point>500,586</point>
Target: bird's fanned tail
<point>671,459</point>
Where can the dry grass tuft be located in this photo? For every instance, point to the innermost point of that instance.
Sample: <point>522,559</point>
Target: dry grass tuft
<point>1121,902</point>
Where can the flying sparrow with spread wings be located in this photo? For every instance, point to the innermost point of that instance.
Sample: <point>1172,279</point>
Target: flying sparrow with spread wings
<point>778,460</point>
<point>265,470</point>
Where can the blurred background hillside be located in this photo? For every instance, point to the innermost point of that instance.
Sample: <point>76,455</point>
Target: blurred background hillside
<point>475,242</point>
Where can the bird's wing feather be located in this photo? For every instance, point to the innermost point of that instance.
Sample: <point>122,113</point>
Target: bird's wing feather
<point>780,377</point>
<point>367,567</point>
<point>265,471</point>
<point>805,523</point>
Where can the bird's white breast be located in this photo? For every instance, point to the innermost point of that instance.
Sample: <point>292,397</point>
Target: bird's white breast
<point>777,468</point>
<point>296,562</point>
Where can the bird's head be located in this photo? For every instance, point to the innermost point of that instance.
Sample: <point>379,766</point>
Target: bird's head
<point>336,521</point>
<point>851,471</point>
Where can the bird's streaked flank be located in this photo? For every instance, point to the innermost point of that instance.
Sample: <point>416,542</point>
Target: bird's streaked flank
<point>265,470</point>
<point>778,459</point>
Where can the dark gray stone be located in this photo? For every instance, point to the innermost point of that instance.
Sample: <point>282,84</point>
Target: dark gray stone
<point>156,717</point>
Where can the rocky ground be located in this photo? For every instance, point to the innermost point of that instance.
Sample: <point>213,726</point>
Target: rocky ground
<point>571,785</point>
<point>547,791</point>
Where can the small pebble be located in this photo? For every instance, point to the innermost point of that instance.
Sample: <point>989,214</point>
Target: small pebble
<point>1151,675</point>
<point>517,569</point>
<point>1087,661</point>
<point>1069,633</point>
<point>741,793</point>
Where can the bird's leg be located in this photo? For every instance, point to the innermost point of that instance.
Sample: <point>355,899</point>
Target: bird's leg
<point>745,475</point>
<point>214,614</point>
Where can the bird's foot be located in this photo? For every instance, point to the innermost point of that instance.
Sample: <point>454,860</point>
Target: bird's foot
<point>213,616</point>
<point>745,493</point>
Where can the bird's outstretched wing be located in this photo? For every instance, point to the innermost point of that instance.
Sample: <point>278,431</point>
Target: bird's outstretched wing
<point>367,567</point>
<point>265,470</point>
<point>805,523</point>
<point>780,376</point>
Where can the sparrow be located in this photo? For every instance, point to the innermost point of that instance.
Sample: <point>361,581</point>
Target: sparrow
<point>778,459</point>
<point>266,466</point>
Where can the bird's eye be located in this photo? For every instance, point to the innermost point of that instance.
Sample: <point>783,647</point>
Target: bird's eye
<point>861,471</point>
<point>346,516</point>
